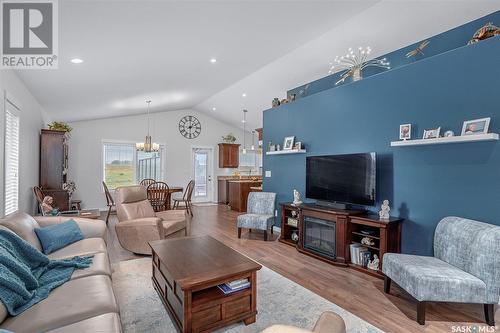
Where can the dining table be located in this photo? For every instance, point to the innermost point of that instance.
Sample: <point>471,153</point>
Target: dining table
<point>173,189</point>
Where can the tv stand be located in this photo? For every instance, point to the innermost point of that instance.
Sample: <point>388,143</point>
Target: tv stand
<point>348,227</point>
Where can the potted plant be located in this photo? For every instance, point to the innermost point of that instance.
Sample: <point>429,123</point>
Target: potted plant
<point>230,138</point>
<point>60,126</point>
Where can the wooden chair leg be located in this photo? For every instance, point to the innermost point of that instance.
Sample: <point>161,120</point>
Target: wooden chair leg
<point>489,314</point>
<point>250,230</point>
<point>265,235</point>
<point>272,229</point>
<point>239,232</point>
<point>190,208</point>
<point>387,284</point>
<point>107,216</point>
<point>421,312</point>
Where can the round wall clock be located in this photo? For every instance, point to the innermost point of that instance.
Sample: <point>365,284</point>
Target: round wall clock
<point>190,127</point>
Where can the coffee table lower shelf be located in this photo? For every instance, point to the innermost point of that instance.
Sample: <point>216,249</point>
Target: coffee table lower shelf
<point>208,309</point>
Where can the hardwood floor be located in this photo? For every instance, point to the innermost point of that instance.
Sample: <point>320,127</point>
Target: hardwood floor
<point>354,291</point>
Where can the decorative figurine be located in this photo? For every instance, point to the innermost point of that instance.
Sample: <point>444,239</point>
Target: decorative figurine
<point>294,236</point>
<point>276,102</point>
<point>47,205</point>
<point>367,241</point>
<point>385,209</point>
<point>487,31</point>
<point>294,213</point>
<point>296,198</point>
<point>418,50</point>
<point>373,264</point>
<point>449,134</point>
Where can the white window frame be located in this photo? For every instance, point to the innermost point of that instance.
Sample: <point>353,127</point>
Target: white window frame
<point>12,107</point>
<point>134,159</point>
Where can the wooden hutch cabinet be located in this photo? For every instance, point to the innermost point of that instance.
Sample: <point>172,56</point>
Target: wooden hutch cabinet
<point>229,155</point>
<point>54,166</point>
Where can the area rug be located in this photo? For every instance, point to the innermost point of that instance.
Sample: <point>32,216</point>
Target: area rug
<point>279,301</point>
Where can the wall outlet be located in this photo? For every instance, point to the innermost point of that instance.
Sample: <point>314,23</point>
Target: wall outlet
<point>268,173</point>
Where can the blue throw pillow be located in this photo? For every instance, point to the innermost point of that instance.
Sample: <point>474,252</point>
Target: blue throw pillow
<point>58,235</point>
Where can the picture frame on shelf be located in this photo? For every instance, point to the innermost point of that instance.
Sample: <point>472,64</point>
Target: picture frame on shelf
<point>432,133</point>
<point>288,142</point>
<point>476,126</point>
<point>298,145</point>
<point>405,132</point>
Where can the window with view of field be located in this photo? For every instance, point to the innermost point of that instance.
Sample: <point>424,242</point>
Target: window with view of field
<point>124,165</point>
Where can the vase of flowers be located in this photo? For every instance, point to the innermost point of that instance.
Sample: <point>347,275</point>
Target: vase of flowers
<point>230,138</point>
<point>69,187</point>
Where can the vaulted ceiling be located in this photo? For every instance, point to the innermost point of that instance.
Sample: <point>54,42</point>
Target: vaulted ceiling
<point>162,50</point>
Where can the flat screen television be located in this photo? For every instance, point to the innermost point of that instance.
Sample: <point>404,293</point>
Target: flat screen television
<point>346,179</point>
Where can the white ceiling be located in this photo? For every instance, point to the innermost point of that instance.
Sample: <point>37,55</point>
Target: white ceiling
<point>161,50</point>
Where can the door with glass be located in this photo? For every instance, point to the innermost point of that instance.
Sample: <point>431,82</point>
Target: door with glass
<point>202,174</point>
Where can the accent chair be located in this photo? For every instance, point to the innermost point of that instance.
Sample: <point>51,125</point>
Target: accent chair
<point>139,223</point>
<point>260,213</point>
<point>464,269</point>
<point>328,322</point>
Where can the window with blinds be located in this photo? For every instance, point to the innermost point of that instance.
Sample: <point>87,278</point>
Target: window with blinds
<point>11,195</point>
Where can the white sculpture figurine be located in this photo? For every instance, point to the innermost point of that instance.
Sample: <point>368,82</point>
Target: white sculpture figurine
<point>373,264</point>
<point>367,241</point>
<point>385,209</point>
<point>296,198</point>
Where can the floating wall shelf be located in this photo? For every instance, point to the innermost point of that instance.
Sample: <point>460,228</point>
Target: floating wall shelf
<point>285,152</point>
<point>452,139</point>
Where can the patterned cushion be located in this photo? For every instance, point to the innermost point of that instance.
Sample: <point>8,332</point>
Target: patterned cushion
<point>261,203</point>
<point>431,279</point>
<point>473,247</point>
<point>254,221</point>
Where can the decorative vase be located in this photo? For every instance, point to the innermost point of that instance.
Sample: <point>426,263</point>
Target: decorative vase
<point>356,73</point>
<point>294,236</point>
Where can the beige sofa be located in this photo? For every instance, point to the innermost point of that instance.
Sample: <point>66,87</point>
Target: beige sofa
<point>139,224</point>
<point>84,304</point>
<point>328,322</point>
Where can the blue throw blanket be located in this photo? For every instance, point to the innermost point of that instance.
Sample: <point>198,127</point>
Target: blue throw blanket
<point>27,275</point>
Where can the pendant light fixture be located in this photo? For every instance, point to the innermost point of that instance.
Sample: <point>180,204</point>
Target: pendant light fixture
<point>253,139</point>
<point>244,131</point>
<point>147,146</point>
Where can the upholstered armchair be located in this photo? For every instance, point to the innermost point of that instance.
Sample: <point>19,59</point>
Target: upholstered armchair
<point>328,322</point>
<point>464,269</point>
<point>260,213</point>
<point>139,224</point>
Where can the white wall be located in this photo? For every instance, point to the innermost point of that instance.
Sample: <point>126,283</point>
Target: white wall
<point>85,148</point>
<point>33,118</point>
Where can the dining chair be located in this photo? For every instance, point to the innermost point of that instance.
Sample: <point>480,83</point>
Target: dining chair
<point>110,202</point>
<point>158,194</point>
<point>186,199</point>
<point>37,191</point>
<point>147,181</point>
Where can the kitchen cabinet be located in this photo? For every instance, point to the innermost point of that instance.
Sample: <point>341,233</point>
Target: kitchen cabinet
<point>229,155</point>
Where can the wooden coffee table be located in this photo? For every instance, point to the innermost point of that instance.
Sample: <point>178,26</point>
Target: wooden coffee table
<point>186,272</point>
<point>84,213</point>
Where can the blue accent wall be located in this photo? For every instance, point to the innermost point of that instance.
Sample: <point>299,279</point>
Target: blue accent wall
<point>446,41</point>
<point>423,183</point>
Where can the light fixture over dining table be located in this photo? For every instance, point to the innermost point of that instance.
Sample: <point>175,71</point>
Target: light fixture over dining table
<point>147,146</point>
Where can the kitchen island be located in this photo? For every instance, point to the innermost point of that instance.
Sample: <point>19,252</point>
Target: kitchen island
<point>238,193</point>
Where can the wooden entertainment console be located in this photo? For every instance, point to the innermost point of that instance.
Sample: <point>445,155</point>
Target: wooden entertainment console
<point>348,227</point>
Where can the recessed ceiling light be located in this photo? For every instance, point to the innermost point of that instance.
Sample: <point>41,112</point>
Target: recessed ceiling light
<point>214,108</point>
<point>213,60</point>
<point>243,121</point>
<point>76,60</point>
<point>244,95</point>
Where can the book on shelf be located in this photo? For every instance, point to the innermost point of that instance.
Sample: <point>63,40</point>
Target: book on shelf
<point>227,290</point>
<point>357,254</point>
<point>292,222</point>
<point>237,283</point>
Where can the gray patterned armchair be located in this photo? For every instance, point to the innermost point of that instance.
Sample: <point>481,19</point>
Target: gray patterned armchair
<point>260,213</point>
<point>465,267</point>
